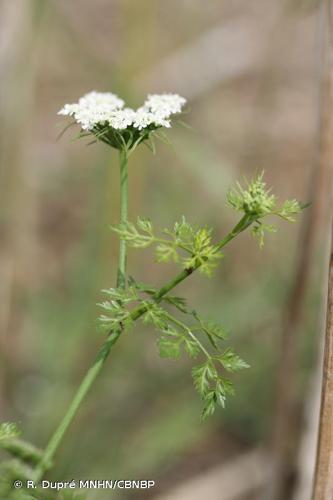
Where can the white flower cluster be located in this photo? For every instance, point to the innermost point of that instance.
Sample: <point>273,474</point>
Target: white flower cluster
<point>105,108</point>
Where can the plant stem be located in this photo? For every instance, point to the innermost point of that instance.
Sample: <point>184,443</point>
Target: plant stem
<point>95,369</point>
<point>123,160</point>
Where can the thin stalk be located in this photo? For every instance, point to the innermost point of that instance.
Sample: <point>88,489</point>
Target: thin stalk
<point>123,160</point>
<point>105,349</point>
<point>97,366</point>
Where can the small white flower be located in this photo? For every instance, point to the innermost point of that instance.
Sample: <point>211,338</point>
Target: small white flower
<point>144,118</point>
<point>68,110</point>
<point>122,118</point>
<point>165,105</point>
<point>101,100</point>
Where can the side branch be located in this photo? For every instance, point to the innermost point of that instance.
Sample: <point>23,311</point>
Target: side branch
<point>102,355</point>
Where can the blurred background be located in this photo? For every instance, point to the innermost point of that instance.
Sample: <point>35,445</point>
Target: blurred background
<point>252,72</point>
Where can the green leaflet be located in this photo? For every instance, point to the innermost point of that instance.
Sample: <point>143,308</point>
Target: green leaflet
<point>172,341</point>
<point>231,361</point>
<point>115,309</point>
<point>185,244</point>
<point>212,387</point>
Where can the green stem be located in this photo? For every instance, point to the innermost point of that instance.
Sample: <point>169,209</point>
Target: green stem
<point>243,224</point>
<point>123,160</point>
<point>95,369</point>
<point>97,366</point>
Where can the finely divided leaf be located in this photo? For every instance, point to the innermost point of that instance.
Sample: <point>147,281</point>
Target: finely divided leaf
<point>202,375</point>
<point>231,361</point>
<point>168,348</point>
